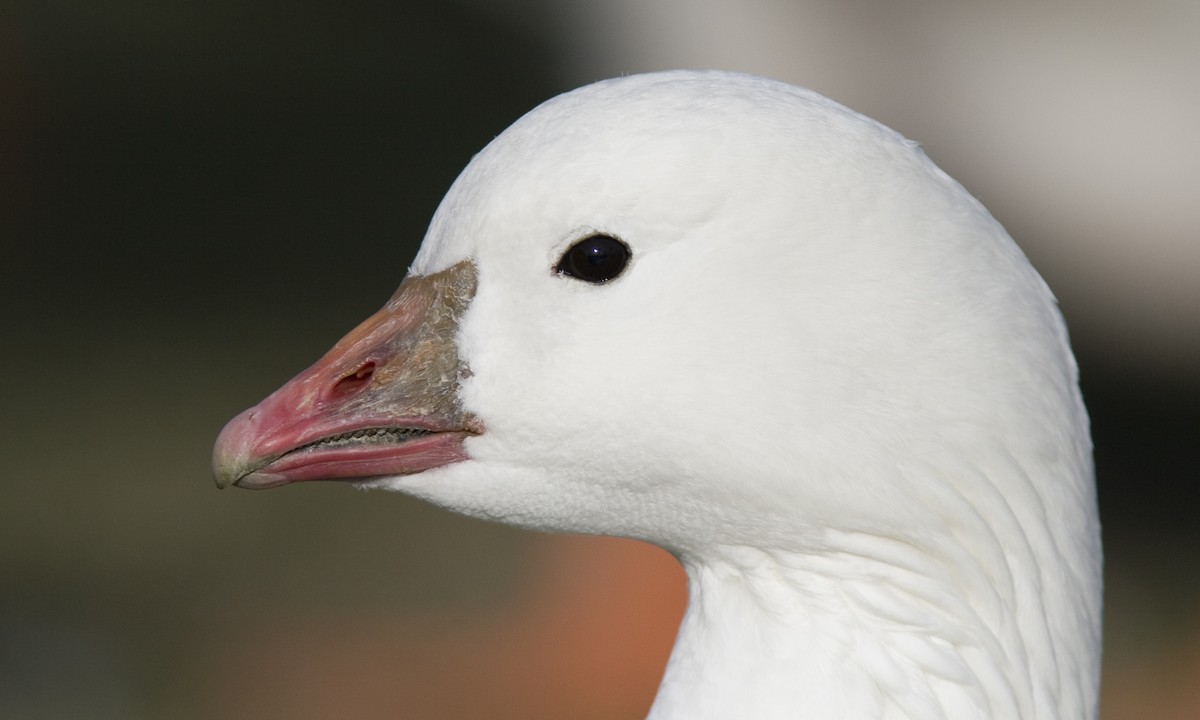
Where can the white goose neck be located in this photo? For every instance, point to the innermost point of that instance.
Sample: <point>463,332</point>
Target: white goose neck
<point>870,627</point>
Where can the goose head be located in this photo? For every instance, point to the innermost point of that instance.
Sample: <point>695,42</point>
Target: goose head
<point>732,318</point>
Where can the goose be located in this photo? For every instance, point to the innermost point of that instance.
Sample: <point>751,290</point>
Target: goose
<point>730,317</point>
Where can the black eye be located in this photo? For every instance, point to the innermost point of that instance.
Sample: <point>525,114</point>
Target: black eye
<point>596,259</point>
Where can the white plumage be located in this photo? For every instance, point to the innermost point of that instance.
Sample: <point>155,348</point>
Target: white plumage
<point>827,381</point>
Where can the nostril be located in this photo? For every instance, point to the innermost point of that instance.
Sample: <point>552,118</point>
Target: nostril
<point>355,381</point>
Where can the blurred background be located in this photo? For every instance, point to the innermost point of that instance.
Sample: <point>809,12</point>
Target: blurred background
<point>198,198</point>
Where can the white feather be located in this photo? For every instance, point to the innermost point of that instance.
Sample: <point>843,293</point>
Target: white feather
<point>828,381</point>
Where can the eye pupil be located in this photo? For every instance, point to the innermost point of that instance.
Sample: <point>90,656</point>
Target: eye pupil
<point>595,259</point>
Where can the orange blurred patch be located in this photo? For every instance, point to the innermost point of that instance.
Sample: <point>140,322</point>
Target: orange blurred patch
<point>588,639</point>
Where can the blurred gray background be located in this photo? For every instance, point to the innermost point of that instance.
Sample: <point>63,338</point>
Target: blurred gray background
<point>197,199</point>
